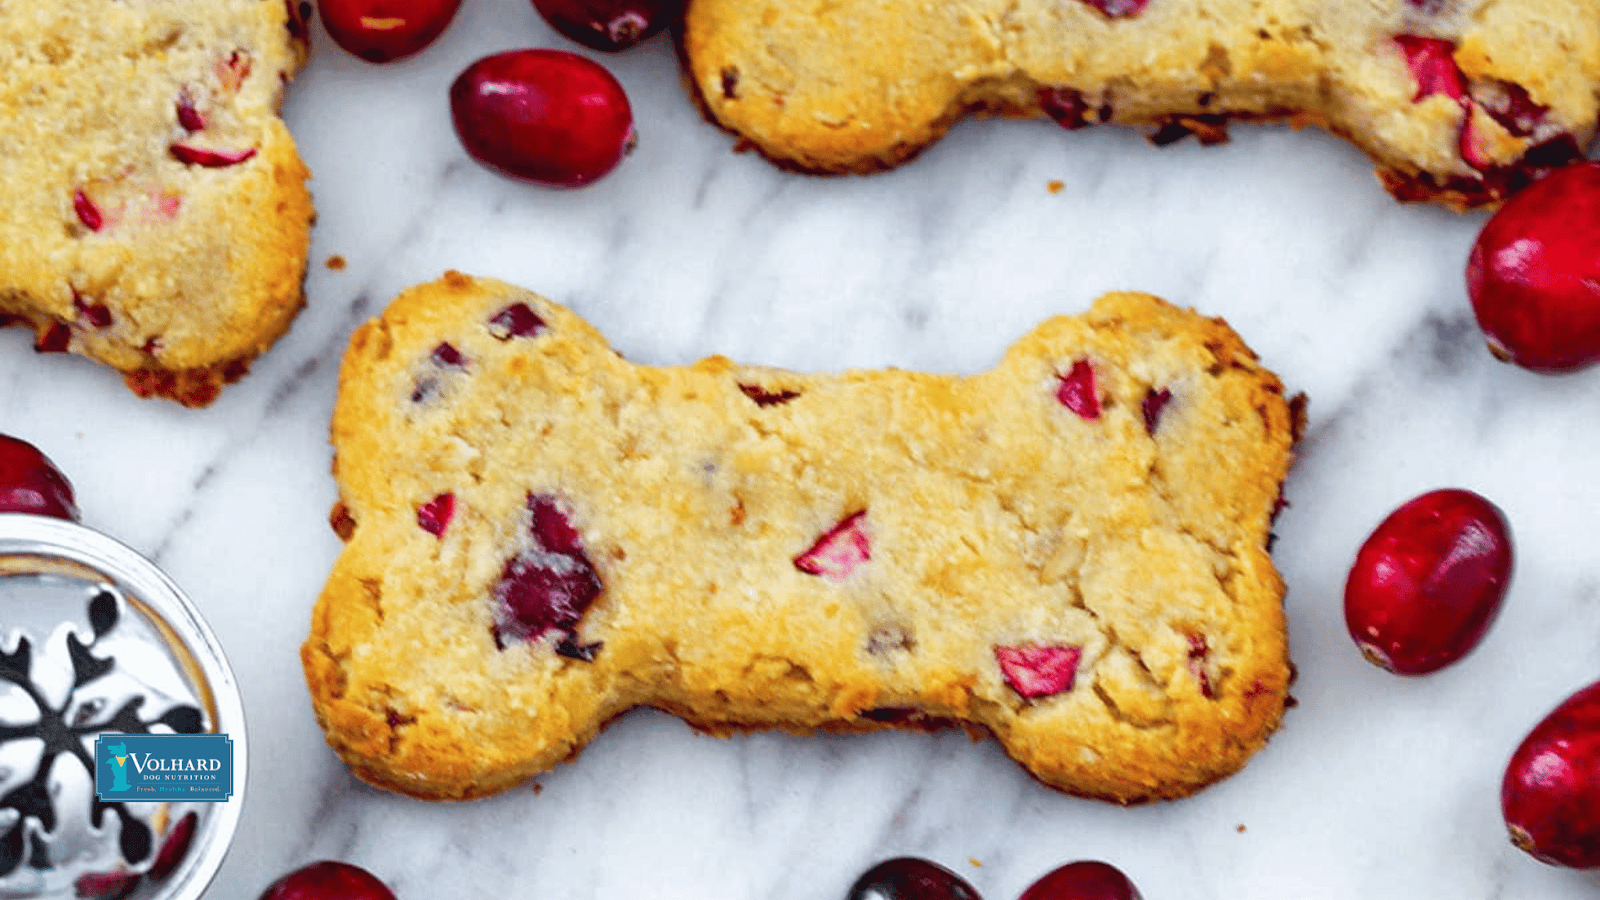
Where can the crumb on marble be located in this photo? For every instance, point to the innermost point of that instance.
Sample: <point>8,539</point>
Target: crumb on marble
<point>1055,185</point>
<point>335,262</point>
<point>1239,828</point>
<point>975,862</point>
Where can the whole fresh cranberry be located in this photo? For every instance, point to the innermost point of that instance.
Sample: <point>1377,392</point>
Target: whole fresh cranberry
<point>609,25</point>
<point>1551,793</point>
<point>1085,880</point>
<point>1429,581</point>
<point>31,483</point>
<point>328,880</point>
<point>545,116</point>
<point>385,30</point>
<point>910,878</point>
<point>1534,273</point>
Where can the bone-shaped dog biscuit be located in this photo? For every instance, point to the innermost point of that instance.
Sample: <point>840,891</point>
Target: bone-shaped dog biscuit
<point>1456,100</point>
<point>1068,551</point>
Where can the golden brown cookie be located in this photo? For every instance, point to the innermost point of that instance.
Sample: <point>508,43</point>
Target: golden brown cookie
<point>1459,101</point>
<point>157,217</point>
<point>1068,551</point>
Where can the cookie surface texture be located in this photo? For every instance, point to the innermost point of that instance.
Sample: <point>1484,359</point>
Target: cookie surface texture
<point>1067,551</point>
<point>156,218</point>
<point>1458,101</point>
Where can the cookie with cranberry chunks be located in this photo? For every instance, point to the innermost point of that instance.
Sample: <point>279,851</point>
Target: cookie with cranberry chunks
<point>1534,274</point>
<point>158,216</point>
<point>31,483</point>
<point>1452,101</point>
<point>542,535</point>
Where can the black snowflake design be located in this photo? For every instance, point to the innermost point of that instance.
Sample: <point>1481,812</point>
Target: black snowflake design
<point>60,736</point>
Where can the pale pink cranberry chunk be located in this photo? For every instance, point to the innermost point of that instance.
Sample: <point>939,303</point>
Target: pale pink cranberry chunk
<point>516,320</point>
<point>840,551</point>
<point>208,157</point>
<point>1035,671</point>
<point>1470,143</point>
<point>1432,63</point>
<point>1155,401</point>
<point>549,586</point>
<point>88,212</point>
<point>1078,391</point>
<point>233,70</point>
<point>434,516</point>
<point>1119,9</point>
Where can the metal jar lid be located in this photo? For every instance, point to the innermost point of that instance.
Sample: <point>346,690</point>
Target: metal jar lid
<point>95,639</point>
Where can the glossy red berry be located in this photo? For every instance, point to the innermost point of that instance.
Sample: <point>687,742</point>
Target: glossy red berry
<point>31,483</point>
<point>545,116</point>
<point>1534,273</point>
<point>328,880</point>
<point>1429,581</point>
<point>609,24</point>
<point>384,30</point>
<point>1551,792</point>
<point>1086,880</point>
<point>910,878</point>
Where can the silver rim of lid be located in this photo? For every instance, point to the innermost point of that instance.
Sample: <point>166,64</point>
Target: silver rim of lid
<point>28,540</point>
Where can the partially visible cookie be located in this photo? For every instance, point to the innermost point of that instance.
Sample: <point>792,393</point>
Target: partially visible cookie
<point>1068,551</point>
<point>156,216</point>
<point>1458,101</point>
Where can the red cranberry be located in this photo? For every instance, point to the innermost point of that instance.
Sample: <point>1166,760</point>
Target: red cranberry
<point>1087,880</point>
<point>1432,63</point>
<point>1534,273</point>
<point>31,483</point>
<point>910,878</point>
<point>434,516</point>
<point>174,847</point>
<point>1118,9</point>
<point>1429,581</point>
<point>609,24</point>
<point>1551,793</point>
<point>549,586</point>
<point>328,880</point>
<point>1039,671</point>
<point>384,30</point>
<point>838,553</point>
<point>105,885</point>
<point>1078,391</point>
<point>209,158</point>
<point>544,116</point>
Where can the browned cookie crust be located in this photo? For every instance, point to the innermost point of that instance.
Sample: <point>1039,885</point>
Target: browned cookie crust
<point>1067,551</point>
<point>1459,101</point>
<point>156,212</point>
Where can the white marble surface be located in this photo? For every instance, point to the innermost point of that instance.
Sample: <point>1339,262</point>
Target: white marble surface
<point>1376,787</point>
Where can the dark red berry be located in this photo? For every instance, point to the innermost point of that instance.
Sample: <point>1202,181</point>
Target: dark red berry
<point>1087,880</point>
<point>88,213</point>
<point>31,483</point>
<point>550,585</point>
<point>1078,391</point>
<point>447,356</point>
<point>105,885</point>
<point>1429,581</point>
<point>328,880</point>
<point>1551,792</point>
<point>381,31</point>
<point>516,320</point>
<point>1154,402</point>
<point>910,878</point>
<point>544,116</point>
<point>174,847</point>
<point>609,24</point>
<point>1534,273</point>
<point>434,516</point>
